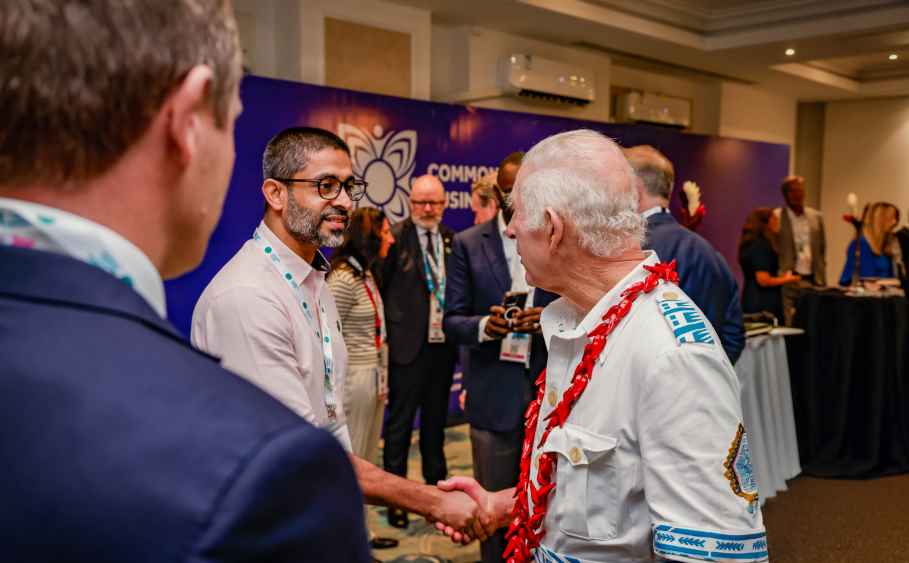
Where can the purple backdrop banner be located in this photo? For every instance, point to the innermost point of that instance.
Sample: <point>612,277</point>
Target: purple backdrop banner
<point>395,140</point>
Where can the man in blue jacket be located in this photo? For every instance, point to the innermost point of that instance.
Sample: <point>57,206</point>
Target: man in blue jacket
<point>120,442</point>
<point>502,359</point>
<point>703,273</point>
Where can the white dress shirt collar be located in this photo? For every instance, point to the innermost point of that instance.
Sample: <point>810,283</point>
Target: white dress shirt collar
<point>562,317</point>
<point>652,211</point>
<point>421,231</point>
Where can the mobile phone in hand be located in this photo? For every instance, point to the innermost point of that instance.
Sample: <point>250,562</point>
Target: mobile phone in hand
<point>513,303</point>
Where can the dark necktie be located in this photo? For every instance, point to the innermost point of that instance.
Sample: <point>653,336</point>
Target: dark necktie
<point>430,247</point>
<point>431,251</point>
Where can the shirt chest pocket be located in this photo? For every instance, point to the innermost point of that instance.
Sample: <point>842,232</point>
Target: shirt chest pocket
<point>588,483</point>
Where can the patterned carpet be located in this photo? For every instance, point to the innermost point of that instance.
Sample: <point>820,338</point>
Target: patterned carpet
<point>420,542</point>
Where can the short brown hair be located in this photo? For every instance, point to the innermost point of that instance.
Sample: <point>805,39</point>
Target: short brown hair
<point>788,182</point>
<point>82,81</point>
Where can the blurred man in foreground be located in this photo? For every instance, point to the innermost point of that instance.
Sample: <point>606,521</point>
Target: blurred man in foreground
<point>120,441</point>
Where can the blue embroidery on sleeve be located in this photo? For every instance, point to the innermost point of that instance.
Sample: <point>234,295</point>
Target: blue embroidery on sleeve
<point>709,546</point>
<point>685,320</point>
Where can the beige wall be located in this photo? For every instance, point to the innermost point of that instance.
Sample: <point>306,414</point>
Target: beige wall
<point>286,38</point>
<point>866,145</point>
<point>757,114</point>
<point>387,52</point>
<point>809,149</point>
<point>258,23</point>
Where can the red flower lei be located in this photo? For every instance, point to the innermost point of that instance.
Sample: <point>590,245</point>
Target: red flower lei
<point>526,530</point>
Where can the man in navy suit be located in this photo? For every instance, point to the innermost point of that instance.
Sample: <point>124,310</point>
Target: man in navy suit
<point>121,443</point>
<point>484,266</point>
<point>703,272</point>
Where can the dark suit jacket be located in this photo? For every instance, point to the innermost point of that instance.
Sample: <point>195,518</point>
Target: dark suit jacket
<point>120,442</point>
<point>704,275</point>
<point>404,291</point>
<point>788,253</point>
<point>902,237</point>
<point>497,392</point>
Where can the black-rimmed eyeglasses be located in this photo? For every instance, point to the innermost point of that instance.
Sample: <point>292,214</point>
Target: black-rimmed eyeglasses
<point>330,187</point>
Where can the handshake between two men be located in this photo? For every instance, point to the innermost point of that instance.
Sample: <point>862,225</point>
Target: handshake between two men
<point>492,511</point>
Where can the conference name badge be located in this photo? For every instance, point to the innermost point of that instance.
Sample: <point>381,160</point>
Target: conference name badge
<point>515,348</point>
<point>436,334</point>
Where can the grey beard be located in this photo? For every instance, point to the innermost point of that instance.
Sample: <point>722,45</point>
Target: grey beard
<point>426,224</point>
<point>303,224</point>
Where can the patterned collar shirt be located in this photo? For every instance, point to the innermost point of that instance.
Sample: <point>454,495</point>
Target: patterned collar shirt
<point>39,227</point>
<point>252,319</point>
<point>653,458</point>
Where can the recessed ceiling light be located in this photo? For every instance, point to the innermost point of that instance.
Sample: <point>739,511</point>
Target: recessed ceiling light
<point>893,56</point>
<point>790,52</point>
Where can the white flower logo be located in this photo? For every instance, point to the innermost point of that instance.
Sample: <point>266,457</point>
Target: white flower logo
<point>386,161</point>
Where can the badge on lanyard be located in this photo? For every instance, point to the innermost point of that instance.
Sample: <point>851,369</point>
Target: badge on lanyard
<point>436,335</point>
<point>516,345</point>
<point>435,283</point>
<point>515,348</point>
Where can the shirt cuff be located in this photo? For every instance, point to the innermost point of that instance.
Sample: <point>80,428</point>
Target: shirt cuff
<point>342,435</point>
<point>482,336</point>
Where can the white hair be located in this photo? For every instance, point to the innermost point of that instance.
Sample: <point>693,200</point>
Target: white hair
<point>584,177</point>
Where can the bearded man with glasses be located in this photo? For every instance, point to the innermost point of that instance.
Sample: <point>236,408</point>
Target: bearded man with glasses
<point>271,317</point>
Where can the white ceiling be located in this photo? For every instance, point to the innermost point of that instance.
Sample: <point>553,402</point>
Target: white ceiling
<point>841,45</point>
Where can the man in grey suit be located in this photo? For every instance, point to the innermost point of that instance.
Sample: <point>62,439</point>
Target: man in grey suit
<point>802,241</point>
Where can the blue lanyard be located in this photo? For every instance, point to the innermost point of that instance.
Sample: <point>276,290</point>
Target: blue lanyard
<point>430,267</point>
<point>320,328</point>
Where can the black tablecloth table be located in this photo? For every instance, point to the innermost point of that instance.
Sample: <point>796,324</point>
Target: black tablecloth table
<point>850,384</point>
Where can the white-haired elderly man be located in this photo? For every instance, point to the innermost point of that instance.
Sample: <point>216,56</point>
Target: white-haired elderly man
<point>635,449</point>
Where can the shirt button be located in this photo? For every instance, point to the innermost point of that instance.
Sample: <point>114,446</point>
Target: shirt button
<point>553,397</point>
<point>574,455</point>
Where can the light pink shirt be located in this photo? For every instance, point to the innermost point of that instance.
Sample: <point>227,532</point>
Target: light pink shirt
<point>249,317</point>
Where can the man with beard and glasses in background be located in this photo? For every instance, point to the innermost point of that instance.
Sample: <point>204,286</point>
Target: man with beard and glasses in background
<point>271,317</point>
<point>421,359</point>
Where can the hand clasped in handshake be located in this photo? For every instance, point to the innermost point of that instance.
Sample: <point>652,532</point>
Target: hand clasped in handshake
<point>470,511</point>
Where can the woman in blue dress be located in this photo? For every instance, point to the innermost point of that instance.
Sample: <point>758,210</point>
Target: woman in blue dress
<point>878,247</point>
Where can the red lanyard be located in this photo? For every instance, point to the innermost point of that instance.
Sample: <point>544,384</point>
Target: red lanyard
<point>375,311</point>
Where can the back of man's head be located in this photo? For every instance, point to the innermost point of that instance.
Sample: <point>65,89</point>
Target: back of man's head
<point>653,169</point>
<point>82,81</point>
<point>584,177</point>
<point>289,151</point>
